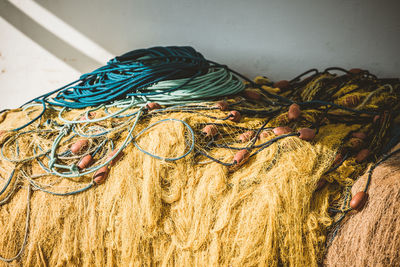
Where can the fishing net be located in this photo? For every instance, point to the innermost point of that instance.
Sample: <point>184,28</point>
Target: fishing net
<point>246,180</point>
<point>372,237</point>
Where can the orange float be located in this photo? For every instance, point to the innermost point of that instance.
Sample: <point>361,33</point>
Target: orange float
<point>234,116</point>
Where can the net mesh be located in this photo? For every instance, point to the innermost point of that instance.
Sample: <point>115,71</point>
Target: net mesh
<point>192,184</point>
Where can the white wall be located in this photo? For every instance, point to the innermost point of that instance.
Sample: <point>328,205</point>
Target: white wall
<point>276,38</point>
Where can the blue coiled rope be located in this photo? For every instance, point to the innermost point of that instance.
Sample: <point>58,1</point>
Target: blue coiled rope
<point>147,72</point>
<point>167,75</point>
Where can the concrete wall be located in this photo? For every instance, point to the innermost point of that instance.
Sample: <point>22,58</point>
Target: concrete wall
<point>276,38</point>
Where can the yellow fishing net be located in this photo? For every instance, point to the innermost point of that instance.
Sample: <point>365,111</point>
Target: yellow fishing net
<point>214,207</point>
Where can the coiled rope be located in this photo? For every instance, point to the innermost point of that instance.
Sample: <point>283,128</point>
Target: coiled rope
<point>168,75</point>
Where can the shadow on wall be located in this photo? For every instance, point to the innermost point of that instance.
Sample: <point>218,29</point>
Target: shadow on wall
<point>112,26</point>
<point>45,38</point>
<point>272,37</point>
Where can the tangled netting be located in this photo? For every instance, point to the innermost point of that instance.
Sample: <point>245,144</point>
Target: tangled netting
<point>260,177</point>
<point>371,237</point>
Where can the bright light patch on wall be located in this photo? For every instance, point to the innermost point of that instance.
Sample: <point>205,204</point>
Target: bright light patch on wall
<point>62,30</point>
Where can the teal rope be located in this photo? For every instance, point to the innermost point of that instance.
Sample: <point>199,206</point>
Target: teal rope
<point>165,158</point>
<point>7,182</point>
<point>88,186</point>
<point>74,172</point>
<point>131,105</point>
